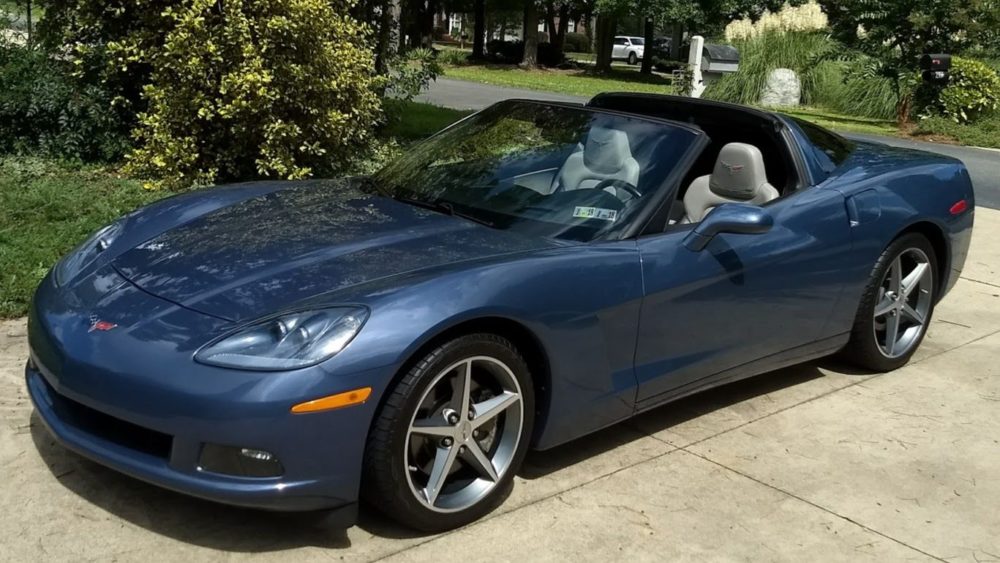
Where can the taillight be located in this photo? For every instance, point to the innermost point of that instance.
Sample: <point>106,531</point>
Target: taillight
<point>959,207</point>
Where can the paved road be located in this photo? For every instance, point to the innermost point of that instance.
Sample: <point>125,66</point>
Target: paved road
<point>983,164</point>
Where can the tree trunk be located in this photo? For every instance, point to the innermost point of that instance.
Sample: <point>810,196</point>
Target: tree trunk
<point>28,9</point>
<point>550,20</point>
<point>559,39</point>
<point>604,41</point>
<point>676,36</point>
<point>530,59</point>
<point>479,29</point>
<point>647,53</point>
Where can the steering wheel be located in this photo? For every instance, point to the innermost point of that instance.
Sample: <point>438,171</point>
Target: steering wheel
<point>631,190</point>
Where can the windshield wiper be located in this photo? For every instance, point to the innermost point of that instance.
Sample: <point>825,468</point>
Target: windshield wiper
<point>442,207</point>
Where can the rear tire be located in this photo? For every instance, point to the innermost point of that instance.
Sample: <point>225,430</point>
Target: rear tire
<point>896,307</point>
<point>451,435</point>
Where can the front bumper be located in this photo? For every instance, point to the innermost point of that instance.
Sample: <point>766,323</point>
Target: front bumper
<point>134,400</point>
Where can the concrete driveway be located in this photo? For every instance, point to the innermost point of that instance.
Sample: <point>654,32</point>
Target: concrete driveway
<point>816,462</point>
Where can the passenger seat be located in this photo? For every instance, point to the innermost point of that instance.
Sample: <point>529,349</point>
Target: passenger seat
<point>738,177</point>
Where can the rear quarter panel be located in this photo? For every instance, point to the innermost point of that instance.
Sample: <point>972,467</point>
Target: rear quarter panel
<point>893,190</point>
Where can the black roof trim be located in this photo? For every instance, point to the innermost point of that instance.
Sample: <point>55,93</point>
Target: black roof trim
<point>684,100</point>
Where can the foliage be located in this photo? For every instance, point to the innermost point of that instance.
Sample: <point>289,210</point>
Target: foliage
<point>804,18</point>
<point>45,210</point>
<point>983,133</point>
<point>416,121</point>
<point>759,55</point>
<point>411,72</point>
<point>46,111</point>
<point>453,56</point>
<point>973,90</point>
<point>850,86</point>
<point>251,88</point>
<point>901,30</point>
<point>576,43</point>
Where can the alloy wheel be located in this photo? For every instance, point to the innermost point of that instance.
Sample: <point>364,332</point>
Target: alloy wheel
<point>464,434</point>
<point>904,303</point>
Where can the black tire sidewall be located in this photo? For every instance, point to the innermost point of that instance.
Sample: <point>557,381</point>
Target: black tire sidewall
<point>391,491</point>
<point>863,348</point>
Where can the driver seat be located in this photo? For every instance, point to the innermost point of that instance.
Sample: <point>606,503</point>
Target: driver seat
<point>605,156</point>
<point>738,177</point>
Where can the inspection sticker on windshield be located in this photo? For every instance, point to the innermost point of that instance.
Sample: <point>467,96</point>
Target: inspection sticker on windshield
<point>595,213</point>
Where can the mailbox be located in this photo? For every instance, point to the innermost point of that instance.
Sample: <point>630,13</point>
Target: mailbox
<point>935,68</point>
<point>720,59</point>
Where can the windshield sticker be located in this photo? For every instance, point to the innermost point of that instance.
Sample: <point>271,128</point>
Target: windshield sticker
<point>595,213</point>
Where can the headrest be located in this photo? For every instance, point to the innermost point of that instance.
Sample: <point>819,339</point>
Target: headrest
<point>739,172</point>
<point>606,150</point>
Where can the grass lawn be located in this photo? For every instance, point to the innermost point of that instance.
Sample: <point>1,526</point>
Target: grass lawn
<point>844,123</point>
<point>415,121</point>
<point>46,208</point>
<point>573,82</point>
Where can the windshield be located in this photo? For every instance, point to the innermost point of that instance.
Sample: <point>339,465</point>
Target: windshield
<point>554,171</point>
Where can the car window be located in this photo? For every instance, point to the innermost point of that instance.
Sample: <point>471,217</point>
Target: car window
<point>550,170</point>
<point>638,40</point>
<point>830,149</point>
<point>621,41</point>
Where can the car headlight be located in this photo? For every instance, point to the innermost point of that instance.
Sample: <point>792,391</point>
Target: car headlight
<point>290,341</point>
<point>83,255</point>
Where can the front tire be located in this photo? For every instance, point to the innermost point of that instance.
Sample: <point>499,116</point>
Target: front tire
<point>896,307</point>
<point>633,58</point>
<point>451,435</point>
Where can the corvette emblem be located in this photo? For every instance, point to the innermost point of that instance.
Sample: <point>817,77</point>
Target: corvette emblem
<point>98,324</point>
<point>733,168</point>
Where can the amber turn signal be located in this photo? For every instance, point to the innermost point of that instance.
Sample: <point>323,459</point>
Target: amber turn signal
<point>338,401</point>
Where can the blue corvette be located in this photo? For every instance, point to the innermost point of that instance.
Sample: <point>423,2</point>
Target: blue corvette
<point>531,274</point>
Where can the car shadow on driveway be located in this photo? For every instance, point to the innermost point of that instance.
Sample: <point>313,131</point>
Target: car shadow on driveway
<point>240,530</point>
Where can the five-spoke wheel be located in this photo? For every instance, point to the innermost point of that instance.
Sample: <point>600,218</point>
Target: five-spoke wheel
<point>897,305</point>
<point>452,434</point>
<point>464,434</point>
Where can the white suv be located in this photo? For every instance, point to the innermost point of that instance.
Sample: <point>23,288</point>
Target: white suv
<point>628,48</point>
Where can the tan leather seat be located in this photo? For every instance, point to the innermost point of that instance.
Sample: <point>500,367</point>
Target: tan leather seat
<point>605,156</point>
<point>738,177</point>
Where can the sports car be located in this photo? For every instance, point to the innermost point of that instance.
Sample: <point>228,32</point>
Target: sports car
<point>529,275</point>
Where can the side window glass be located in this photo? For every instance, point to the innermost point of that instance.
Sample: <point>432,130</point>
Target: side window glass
<point>830,149</point>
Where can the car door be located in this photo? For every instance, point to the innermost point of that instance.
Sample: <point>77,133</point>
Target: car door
<point>618,50</point>
<point>743,297</point>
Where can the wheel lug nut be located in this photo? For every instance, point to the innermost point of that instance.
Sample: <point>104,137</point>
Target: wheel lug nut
<point>452,418</point>
<point>447,442</point>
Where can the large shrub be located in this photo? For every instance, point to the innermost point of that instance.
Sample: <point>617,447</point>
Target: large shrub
<point>46,110</point>
<point>576,43</point>
<point>972,91</point>
<point>511,52</point>
<point>253,88</point>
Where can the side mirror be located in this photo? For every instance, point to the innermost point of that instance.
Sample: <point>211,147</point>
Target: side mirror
<point>738,218</point>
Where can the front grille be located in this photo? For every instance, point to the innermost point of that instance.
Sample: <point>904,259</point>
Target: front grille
<point>109,428</point>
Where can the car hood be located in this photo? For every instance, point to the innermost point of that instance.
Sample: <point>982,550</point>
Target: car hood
<point>268,253</point>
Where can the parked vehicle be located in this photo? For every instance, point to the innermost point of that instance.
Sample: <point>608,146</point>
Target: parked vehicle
<point>628,49</point>
<point>532,274</point>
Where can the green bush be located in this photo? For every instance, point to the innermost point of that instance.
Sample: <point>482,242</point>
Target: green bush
<point>576,43</point>
<point>983,133</point>
<point>453,56</point>
<point>45,110</point>
<point>252,88</point>
<point>973,90</point>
